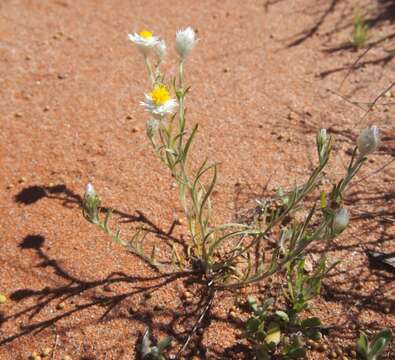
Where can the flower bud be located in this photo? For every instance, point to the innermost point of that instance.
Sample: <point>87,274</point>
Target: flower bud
<point>323,136</point>
<point>369,140</point>
<point>322,144</point>
<point>161,50</point>
<point>185,41</point>
<point>91,204</point>
<point>152,126</point>
<point>90,191</point>
<point>340,220</point>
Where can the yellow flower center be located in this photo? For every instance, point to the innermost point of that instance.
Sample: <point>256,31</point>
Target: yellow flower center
<point>160,95</point>
<point>146,34</point>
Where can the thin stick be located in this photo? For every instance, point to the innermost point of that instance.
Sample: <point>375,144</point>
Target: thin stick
<point>354,64</point>
<point>357,104</point>
<point>374,172</point>
<point>371,106</point>
<point>198,322</point>
<point>54,348</point>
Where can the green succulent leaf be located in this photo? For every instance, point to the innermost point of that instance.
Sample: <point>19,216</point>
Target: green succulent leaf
<point>363,344</point>
<point>282,315</point>
<point>380,341</point>
<point>163,344</point>
<point>252,325</point>
<point>313,334</point>
<point>311,322</point>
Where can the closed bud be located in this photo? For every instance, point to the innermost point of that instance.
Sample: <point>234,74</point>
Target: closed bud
<point>161,50</point>
<point>323,136</point>
<point>340,220</point>
<point>152,126</point>
<point>185,41</point>
<point>90,191</point>
<point>322,144</point>
<point>91,204</point>
<point>369,140</point>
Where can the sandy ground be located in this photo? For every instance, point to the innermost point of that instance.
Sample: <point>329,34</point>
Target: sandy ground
<point>264,79</point>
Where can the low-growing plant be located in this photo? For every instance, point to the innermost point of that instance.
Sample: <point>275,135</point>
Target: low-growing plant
<point>360,30</point>
<point>153,352</point>
<point>303,286</point>
<point>372,350</point>
<point>231,254</point>
<point>284,331</point>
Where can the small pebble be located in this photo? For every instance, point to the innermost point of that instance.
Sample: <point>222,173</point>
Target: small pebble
<point>46,108</point>
<point>322,347</point>
<point>60,306</point>
<point>129,117</point>
<point>27,58</point>
<point>22,180</point>
<point>387,309</point>
<point>3,299</point>
<point>67,357</point>
<point>353,354</point>
<point>46,351</point>
<point>35,356</point>
<point>233,314</point>
<point>333,355</point>
<point>135,129</point>
<point>18,115</point>
<point>61,76</point>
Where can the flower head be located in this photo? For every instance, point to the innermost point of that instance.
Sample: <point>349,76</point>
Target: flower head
<point>152,126</point>
<point>185,41</point>
<point>161,49</point>
<point>340,220</point>
<point>369,140</point>
<point>144,40</point>
<point>158,102</point>
<point>91,204</point>
<point>90,191</point>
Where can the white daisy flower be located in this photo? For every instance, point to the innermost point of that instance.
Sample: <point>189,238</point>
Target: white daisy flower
<point>185,41</point>
<point>144,40</point>
<point>158,102</point>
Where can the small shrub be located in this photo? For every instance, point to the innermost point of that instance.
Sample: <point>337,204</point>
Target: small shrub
<point>231,254</point>
<point>360,30</point>
<point>153,352</point>
<point>371,351</point>
<point>284,332</point>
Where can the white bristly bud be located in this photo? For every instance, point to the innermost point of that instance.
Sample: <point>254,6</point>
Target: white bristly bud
<point>369,140</point>
<point>91,204</point>
<point>323,136</point>
<point>152,125</point>
<point>340,220</point>
<point>161,50</point>
<point>185,41</point>
<point>90,190</point>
